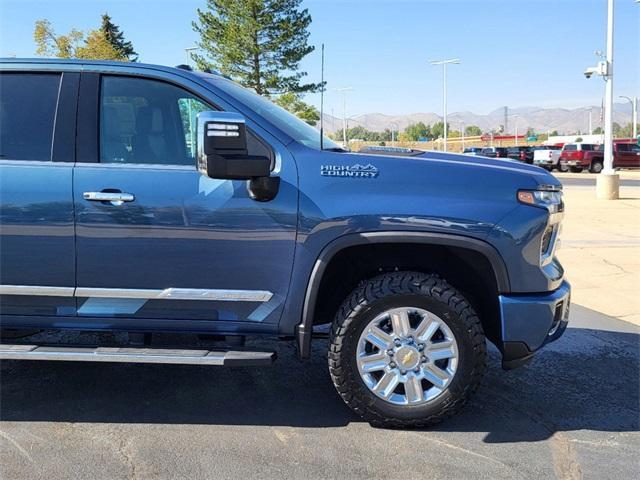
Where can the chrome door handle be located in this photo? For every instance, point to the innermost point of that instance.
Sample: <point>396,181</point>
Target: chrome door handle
<point>115,198</point>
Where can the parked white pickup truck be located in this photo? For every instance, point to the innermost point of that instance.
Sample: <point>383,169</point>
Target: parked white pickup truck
<point>547,156</point>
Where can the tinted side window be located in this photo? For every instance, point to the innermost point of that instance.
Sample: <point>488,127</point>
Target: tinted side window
<point>147,121</point>
<point>628,147</point>
<point>28,104</point>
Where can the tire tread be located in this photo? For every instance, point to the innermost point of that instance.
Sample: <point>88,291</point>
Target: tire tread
<point>402,283</point>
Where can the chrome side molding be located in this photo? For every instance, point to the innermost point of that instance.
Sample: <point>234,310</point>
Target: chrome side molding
<point>221,295</point>
<point>36,290</point>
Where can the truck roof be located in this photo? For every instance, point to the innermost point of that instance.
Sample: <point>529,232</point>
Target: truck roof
<point>78,63</point>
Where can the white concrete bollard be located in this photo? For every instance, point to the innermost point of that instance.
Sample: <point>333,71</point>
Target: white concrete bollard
<point>608,186</point>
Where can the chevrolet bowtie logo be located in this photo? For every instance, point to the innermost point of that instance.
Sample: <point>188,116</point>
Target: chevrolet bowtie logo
<point>408,357</point>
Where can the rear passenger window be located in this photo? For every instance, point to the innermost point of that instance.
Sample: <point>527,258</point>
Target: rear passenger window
<point>628,147</point>
<point>28,104</point>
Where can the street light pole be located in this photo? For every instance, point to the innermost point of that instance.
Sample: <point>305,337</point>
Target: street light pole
<point>515,123</point>
<point>634,114</point>
<point>444,64</point>
<point>607,184</point>
<point>344,91</point>
<point>608,95</point>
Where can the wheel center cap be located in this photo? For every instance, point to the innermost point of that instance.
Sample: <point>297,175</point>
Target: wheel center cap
<point>407,357</point>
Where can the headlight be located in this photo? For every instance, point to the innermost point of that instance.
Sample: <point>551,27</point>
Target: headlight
<point>549,199</point>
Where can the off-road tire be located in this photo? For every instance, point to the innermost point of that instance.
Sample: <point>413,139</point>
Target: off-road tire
<point>398,289</point>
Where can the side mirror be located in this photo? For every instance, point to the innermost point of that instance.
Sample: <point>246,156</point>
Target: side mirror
<point>222,148</point>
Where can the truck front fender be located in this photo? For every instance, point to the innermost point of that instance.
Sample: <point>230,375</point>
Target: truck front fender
<point>304,329</point>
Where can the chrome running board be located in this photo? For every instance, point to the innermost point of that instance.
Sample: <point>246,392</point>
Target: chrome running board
<point>136,355</point>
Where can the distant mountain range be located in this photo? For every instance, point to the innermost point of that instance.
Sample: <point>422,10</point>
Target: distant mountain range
<point>565,121</point>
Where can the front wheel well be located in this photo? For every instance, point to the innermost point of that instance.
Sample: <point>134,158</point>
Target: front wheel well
<point>466,269</point>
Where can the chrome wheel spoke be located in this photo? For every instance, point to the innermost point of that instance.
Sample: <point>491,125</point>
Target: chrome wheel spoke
<point>441,350</point>
<point>373,363</point>
<point>391,352</point>
<point>387,384</point>
<point>400,323</point>
<point>413,389</point>
<point>435,375</point>
<point>426,329</point>
<point>379,338</point>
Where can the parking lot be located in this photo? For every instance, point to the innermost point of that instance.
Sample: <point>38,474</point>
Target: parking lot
<point>572,413</point>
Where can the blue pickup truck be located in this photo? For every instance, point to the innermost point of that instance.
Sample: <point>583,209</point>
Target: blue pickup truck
<point>146,199</point>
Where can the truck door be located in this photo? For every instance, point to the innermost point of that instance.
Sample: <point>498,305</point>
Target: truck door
<point>156,240</point>
<point>37,246</point>
<point>627,155</point>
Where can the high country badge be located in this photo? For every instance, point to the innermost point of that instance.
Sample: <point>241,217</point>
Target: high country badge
<point>361,171</point>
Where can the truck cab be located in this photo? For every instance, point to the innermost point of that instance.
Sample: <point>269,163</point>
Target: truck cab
<point>579,156</point>
<point>146,199</point>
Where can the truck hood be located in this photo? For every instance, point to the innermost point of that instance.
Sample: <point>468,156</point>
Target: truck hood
<point>531,175</point>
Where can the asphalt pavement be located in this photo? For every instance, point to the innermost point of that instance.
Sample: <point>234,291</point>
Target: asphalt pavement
<point>572,413</point>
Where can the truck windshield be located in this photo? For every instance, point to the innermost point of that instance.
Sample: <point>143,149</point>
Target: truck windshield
<point>297,129</point>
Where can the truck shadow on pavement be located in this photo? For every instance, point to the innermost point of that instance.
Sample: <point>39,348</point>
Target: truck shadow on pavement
<point>589,380</point>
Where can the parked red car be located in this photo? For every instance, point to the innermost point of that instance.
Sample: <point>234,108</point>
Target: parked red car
<point>578,156</point>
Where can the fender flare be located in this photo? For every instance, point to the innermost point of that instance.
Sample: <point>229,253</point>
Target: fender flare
<point>304,329</point>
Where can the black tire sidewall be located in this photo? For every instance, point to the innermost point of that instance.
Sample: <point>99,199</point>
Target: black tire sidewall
<point>596,167</point>
<point>466,356</point>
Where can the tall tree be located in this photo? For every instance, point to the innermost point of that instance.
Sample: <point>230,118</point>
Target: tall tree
<point>473,131</point>
<point>258,43</point>
<point>115,37</point>
<point>49,44</point>
<point>76,44</point>
<point>293,102</point>
<point>437,129</point>
<point>416,131</point>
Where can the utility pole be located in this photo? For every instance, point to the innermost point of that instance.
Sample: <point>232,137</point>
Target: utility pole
<point>344,91</point>
<point>634,114</point>
<point>608,182</point>
<point>444,64</point>
<point>506,118</point>
<point>463,126</point>
<point>515,123</point>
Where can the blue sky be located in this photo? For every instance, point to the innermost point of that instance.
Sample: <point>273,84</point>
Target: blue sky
<point>514,52</point>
